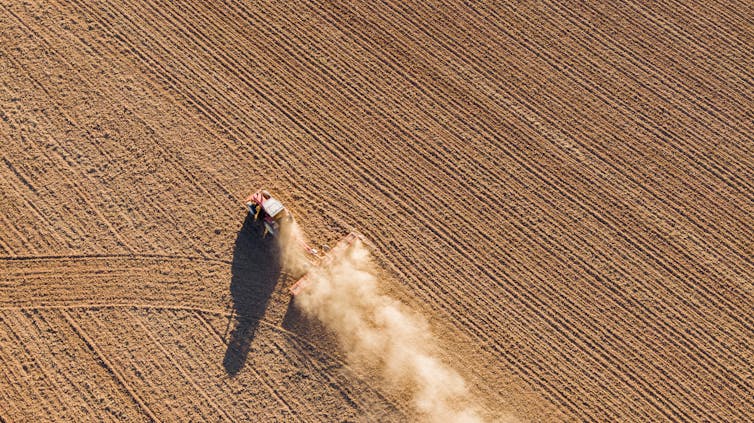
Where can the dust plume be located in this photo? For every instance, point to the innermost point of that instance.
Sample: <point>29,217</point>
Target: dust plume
<point>292,246</point>
<point>379,334</point>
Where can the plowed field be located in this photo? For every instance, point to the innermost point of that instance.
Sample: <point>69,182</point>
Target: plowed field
<point>565,190</point>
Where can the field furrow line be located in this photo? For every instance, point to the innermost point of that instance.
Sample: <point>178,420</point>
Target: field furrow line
<point>166,392</point>
<point>10,397</point>
<point>654,347</point>
<point>116,256</point>
<point>609,352</point>
<point>451,41</point>
<point>723,18</point>
<point>733,250</point>
<point>585,267</point>
<point>524,327</point>
<point>272,391</point>
<point>150,335</point>
<point>191,99</point>
<point>316,408</point>
<point>583,243</point>
<point>67,231</point>
<point>7,250</point>
<point>116,372</point>
<point>248,84</point>
<point>95,383</point>
<point>165,213</point>
<point>65,169</point>
<point>182,169</point>
<point>39,373</point>
<point>587,35</point>
<point>42,214</point>
<point>41,329</point>
<point>321,379</point>
<point>688,97</point>
<point>123,281</point>
<point>734,34</point>
<point>642,181</point>
<point>63,151</point>
<point>207,367</point>
<point>19,367</point>
<point>16,241</point>
<point>73,153</point>
<point>612,44</point>
<point>641,119</point>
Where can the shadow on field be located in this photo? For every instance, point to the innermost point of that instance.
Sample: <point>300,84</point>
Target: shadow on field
<point>254,273</point>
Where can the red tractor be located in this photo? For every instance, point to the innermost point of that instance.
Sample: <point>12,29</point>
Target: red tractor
<point>273,214</point>
<point>270,210</point>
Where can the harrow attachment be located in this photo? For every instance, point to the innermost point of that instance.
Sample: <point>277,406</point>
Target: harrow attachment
<point>324,260</point>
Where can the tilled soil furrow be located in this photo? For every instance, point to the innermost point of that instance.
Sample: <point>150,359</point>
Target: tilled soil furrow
<point>104,155</point>
<point>140,111</point>
<point>63,159</point>
<point>697,31</point>
<point>107,363</point>
<point>41,329</point>
<point>542,53</point>
<point>642,53</point>
<point>44,216</point>
<point>195,100</point>
<point>161,386</point>
<point>694,124</point>
<point>629,312</point>
<point>113,281</point>
<point>291,404</point>
<point>98,386</point>
<point>597,339</point>
<point>18,236</point>
<point>643,120</point>
<point>743,228</point>
<point>184,334</point>
<point>27,397</point>
<point>39,377</point>
<point>178,366</point>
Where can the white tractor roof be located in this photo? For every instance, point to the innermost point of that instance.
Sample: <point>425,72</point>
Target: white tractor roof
<point>272,207</point>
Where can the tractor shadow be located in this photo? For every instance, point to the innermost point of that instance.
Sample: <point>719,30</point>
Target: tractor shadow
<point>255,270</point>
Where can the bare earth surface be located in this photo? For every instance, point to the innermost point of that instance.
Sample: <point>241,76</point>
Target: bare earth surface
<point>564,189</point>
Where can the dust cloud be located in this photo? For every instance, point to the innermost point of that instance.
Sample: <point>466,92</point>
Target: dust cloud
<point>380,335</point>
<point>292,246</point>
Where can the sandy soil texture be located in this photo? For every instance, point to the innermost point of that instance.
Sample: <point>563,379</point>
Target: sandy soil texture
<point>564,190</point>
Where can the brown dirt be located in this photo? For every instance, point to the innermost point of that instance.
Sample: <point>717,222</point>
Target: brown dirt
<point>563,189</point>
